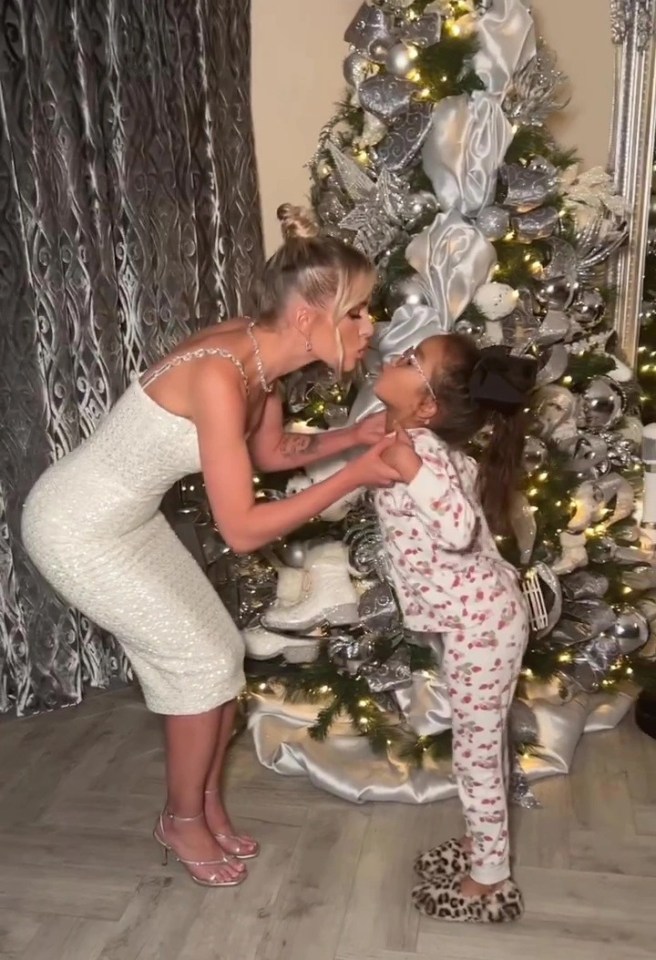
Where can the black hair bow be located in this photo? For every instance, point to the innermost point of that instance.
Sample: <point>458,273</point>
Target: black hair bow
<point>501,381</point>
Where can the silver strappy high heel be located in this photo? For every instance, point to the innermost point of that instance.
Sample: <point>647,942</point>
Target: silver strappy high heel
<point>213,880</point>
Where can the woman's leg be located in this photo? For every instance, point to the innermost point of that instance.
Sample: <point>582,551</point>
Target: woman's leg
<point>191,743</point>
<point>216,814</point>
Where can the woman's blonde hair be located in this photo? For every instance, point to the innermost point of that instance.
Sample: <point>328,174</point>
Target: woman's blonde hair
<point>319,269</point>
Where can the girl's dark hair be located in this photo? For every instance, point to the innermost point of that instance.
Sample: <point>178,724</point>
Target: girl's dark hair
<point>462,417</point>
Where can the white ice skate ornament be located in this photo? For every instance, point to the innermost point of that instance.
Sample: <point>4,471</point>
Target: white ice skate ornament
<point>263,644</point>
<point>573,555</point>
<point>331,597</point>
<point>317,472</point>
<point>592,500</point>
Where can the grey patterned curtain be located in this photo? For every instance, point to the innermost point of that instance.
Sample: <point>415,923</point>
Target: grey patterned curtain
<point>128,210</point>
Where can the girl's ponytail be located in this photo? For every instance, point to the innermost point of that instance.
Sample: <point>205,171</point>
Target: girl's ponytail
<point>499,468</point>
<point>501,384</point>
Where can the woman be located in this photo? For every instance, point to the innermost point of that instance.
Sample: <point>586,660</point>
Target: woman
<point>93,527</point>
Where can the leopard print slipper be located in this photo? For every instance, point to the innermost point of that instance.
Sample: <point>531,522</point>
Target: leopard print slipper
<point>449,859</point>
<point>442,900</point>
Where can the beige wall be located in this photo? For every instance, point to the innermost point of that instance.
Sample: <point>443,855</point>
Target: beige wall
<point>297,76</point>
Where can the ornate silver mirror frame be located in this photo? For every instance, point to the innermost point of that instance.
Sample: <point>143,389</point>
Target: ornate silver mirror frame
<point>631,153</point>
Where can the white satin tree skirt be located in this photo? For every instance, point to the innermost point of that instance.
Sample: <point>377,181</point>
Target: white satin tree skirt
<point>345,766</point>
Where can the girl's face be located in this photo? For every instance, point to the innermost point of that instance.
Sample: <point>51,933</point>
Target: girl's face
<point>404,385</point>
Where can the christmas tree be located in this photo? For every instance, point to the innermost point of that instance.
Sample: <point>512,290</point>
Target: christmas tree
<point>439,164</point>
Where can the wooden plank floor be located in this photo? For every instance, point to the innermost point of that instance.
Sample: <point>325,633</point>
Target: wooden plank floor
<point>80,877</point>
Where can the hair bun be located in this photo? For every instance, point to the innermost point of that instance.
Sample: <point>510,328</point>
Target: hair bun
<point>297,223</point>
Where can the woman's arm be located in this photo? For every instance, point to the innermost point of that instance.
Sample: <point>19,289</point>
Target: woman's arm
<point>219,414</point>
<point>273,448</point>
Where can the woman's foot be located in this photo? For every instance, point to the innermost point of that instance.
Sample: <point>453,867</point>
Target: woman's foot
<point>450,899</point>
<point>451,858</point>
<point>192,844</point>
<point>240,846</point>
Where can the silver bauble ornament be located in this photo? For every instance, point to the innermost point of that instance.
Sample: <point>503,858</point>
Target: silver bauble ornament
<point>631,629</point>
<point>407,291</point>
<point>588,309</point>
<point>534,455</point>
<point>292,553</point>
<point>422,205</point>
<point>379,51</point>
<point>400,59</point>
<point>470,326</point>
<point>493,222</point>
<point>603,403</point>
<point>556,293</point>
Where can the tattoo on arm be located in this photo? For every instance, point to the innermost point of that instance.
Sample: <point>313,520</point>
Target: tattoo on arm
<point>297,444</point>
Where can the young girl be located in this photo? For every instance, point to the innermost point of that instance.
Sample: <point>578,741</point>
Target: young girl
<point>450,578</point>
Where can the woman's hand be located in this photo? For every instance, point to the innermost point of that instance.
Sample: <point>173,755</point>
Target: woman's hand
<point>401,456</point>
<point>370,430</point>
<point>371,468</point>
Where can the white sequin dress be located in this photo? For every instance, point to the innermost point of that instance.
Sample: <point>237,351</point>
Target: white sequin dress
<point>93,527</point>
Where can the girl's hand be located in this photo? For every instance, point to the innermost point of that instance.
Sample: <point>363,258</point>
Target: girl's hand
<point>370,430</point>
<point>371,469</point>
<point>401,456</point>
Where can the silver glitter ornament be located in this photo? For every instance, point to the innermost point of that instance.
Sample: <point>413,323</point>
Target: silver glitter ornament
<point>589,309</point>
<point>603,403</point>
<point>493,222</point>
<point>400,59</point>
<point>381,207</point>
<point>538,90</point>
<point>595,244</point>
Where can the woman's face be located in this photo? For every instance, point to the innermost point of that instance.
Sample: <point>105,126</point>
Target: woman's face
<point>341,342</point>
